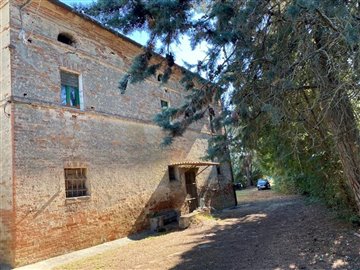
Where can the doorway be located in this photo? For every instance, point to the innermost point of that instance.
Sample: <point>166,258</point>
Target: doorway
<point>191,190</point>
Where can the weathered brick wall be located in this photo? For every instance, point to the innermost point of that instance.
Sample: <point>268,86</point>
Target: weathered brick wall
<point>45,56</point>
<point>220,193</point>
<point>6,190</point>
<point>127,172</point>
<point>113,137</point>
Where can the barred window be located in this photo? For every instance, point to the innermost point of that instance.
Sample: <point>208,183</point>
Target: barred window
<point>75,182</point>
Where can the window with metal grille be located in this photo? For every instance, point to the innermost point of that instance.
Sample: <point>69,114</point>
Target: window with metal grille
<point>70,95</point>
<point>75,182</point>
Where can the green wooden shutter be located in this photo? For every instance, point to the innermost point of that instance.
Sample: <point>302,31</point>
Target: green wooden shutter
<point>67,89</point>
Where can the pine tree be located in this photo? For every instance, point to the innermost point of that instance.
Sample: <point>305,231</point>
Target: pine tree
<point>273,54</point>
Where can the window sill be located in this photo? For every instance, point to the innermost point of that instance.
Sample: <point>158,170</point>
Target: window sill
<point>73,108</point>
<point>77,199</point>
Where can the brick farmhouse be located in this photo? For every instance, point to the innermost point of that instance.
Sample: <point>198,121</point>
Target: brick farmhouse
<point>81,163</point>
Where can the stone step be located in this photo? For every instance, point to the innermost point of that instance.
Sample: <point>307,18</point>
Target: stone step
<point>185,220</point>
<point>158,222</point>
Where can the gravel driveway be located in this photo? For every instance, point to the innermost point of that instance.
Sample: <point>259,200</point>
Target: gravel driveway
<point>266,231</point>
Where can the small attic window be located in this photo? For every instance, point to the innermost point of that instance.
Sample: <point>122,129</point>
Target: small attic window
<point>66,38</point>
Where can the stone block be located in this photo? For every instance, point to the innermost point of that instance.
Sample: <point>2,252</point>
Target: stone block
<point>185,220</point>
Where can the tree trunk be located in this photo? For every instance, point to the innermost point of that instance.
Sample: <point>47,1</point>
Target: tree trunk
<point>341,121</point>
<point>247,164</point>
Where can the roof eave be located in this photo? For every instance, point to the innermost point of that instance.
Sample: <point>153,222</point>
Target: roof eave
<point>127,39</point>
<point>88,18</point>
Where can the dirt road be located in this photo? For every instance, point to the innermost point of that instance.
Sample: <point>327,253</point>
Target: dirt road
<point>266,231</point>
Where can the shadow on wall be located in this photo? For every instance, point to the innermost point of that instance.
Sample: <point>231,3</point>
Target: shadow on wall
<point>172,195</point>
<point>32,214</point>
<point>5,266</point>
<point>168,195</point>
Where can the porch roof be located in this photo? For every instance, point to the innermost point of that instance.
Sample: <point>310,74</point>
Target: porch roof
<point>194,163</point>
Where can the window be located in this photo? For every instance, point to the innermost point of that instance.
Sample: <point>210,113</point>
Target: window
<point>172,175</point>
<point>164,104</point>
<point>70,95</point>
<point>66,38</point>
<point>75,182</point>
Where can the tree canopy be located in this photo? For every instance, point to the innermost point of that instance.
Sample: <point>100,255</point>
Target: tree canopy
<point>290,71</point>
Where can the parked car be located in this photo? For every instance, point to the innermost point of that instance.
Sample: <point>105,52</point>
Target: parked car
<point>263,184</point>
<point>238,186</point>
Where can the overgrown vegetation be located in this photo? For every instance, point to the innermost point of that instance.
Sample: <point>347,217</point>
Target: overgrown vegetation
<point>307,169</point>
<point>297,161</point>
<point>289,72</point>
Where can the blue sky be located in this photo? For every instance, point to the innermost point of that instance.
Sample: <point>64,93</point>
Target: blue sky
<point>182,51</point>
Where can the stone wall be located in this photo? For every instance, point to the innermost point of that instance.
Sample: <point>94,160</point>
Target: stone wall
<point>6,188</point>
<point>127,178</point>
<point>44,57</point>
<point>113,136</point>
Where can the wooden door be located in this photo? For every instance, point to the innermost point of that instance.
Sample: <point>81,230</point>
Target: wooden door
<point>191,190</point>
